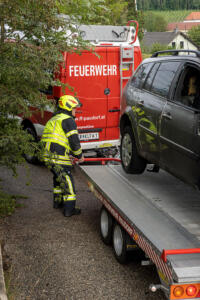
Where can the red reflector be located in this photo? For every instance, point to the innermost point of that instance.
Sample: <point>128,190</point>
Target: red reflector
<point>191,290</point>
<point>198,295</point>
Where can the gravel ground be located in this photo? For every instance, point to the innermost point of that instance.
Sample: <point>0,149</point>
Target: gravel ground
<point>57,258</point>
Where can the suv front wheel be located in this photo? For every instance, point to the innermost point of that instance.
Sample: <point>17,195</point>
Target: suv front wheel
<point>131,161</point>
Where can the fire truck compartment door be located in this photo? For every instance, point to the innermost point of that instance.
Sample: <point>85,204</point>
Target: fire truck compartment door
<point>87,74</point>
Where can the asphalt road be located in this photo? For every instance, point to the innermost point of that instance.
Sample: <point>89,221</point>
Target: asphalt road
<point>57,258</point>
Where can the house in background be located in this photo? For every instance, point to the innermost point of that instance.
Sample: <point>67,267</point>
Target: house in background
<point>193,19</point>
<point>175,39</point>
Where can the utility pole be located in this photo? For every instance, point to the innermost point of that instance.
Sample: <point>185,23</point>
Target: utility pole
<point>2,27</point>
<point>135,5</point>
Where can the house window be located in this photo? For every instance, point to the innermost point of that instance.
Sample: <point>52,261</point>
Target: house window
<point>174,45</point>
<point>181,45</point>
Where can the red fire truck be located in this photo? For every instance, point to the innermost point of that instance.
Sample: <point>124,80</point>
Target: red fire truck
<point>98,78</point>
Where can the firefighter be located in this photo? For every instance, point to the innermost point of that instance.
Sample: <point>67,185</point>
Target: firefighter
<point>61,142</point>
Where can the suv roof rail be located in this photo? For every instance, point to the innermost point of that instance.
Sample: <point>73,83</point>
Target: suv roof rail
<point>176,52</point>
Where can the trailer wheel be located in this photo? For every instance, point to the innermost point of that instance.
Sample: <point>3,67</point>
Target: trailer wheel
<point>106,226</point>
<point>131,161</point>
<point>31,158</point>
<point>119,244</point>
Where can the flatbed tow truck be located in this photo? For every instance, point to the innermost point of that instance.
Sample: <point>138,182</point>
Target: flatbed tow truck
<point>154,212</point>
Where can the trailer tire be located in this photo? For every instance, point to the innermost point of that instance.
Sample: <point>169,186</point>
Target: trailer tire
<point>131,161</point>
<point>32,159</point>
<point>119,244</point>
<point>106,226</point>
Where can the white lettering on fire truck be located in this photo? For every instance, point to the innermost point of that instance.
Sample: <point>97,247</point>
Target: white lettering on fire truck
<point>85,127</point>
<point>92,70</point>
<point>99,117</point>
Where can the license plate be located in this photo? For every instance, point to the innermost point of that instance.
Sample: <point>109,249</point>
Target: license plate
<point>88,136</point>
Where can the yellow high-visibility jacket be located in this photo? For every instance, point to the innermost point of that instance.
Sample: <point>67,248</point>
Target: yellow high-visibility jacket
<point>61,139</point>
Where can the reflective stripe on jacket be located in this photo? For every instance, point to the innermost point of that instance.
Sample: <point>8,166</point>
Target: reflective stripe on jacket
<point>61,140</point>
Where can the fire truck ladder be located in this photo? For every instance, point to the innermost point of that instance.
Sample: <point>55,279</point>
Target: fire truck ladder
<point>126,61</point>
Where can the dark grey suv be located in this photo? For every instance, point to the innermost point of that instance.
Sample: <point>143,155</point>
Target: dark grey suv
<point>160,120</point>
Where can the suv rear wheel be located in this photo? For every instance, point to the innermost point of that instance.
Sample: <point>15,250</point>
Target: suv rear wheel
<point>131,161</point>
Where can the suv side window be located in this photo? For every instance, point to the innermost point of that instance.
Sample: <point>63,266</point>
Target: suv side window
<point>188,89</point>
<point>164,77</point>
<point>148,83</point>
<point>139,76</point>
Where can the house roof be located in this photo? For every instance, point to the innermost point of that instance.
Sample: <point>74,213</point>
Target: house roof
<point>193,16</point>
<point>164,38</point>
<point>158,37</point>
<point>182,26</point>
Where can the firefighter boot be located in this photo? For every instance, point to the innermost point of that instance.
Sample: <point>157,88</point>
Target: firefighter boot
<point>70,209</point>
<point>57,198</point>
<point>57,204</point>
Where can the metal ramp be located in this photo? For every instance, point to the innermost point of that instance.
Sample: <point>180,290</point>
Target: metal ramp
<point>161,209</point>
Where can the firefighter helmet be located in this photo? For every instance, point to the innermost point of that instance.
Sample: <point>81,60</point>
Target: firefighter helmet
<point>68,102</point>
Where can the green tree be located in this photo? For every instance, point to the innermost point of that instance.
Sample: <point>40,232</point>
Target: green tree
<point>117,12</point>
<point>154,22</point>
<point>194,34</point>
<point>104,12</point>
<point>32,37</point>
<point>167,4</point>
<point>137,15</point>
<point>159,47</point>
<point>86,11</point>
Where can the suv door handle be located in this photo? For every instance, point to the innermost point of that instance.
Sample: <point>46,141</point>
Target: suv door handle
<point>167,116</point>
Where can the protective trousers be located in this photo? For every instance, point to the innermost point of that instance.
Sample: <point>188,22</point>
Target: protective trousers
<point>64,188</point>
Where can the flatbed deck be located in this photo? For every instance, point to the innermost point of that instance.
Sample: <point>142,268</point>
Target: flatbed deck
<point>161,209</point>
